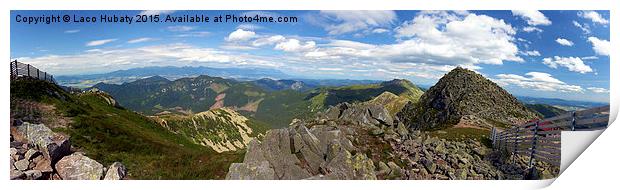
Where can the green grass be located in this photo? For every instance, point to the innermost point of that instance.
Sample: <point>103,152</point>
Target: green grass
<point>461,134</point>
<point>108,134</point>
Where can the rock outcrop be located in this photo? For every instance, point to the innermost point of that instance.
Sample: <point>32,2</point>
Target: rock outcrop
<point>361,141</point>
<point>320,150</point>
<point>39,153</point>
<point>460,93</point>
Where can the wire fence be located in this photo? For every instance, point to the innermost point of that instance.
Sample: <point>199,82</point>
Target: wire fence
<point>540,139</point>
<point>19,69</point>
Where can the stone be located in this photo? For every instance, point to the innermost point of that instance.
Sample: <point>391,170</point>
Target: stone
<point>43,165</point>
<point>16,174</point>
<point>402,130</point>
<point>376,131</point>
<point>54,146</point>
<point>14,155</point>
<point>33,174</point>
<point>461,174</point>
<point>22,164</point>
<point>384,169</point>
<point>396,170</point>
<point>116,171</point>
<point>79,167</point>
<point>31,153</point>
<point>429,165</point>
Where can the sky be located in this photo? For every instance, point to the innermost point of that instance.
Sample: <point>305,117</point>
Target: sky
<point>552,54</point>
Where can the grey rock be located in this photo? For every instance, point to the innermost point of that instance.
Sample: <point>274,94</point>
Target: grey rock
<point>16,174</point>
<point>43,164</point>
<point>22,164</point>
<point>14,155</point>
<point>31,153</point>
<point>79,167</point>
<point>33,174</point>
<point>396,170</point>
<point>116,171</point>
<point>54,146</point>
<point>384,169</point>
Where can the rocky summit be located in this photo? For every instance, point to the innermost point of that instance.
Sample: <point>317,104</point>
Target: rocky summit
<point>461,95</point>
<point>361,141</point>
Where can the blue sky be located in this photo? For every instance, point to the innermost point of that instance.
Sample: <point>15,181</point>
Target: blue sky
<point>555,54</point>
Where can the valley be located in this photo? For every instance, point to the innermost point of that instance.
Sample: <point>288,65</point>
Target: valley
<point>207,127</point>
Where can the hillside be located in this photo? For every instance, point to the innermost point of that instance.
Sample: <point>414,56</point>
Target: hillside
<point>545,111</point>
<point>108,133</point>
<point>156,94</point>
<point>274,102</point>
<point>326,97</point>
<point>465,96</point>
<point>221,129</point>
<point>275,85</point>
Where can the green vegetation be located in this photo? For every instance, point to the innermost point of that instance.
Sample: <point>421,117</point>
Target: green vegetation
<point>461,134</point>
<point>215,128</point>
<point>107,134</point>
<point>545,110</point>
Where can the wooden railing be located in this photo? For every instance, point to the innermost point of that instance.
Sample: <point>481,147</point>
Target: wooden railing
<point>19,69</point>
<point>540,139</point>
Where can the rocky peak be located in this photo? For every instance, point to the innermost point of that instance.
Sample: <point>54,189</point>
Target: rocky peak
<point>463,92</point>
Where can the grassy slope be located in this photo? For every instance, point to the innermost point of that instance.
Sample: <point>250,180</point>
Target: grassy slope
<point>109,134</point>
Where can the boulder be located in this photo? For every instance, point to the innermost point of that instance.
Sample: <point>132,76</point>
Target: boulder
<point>31,153</point>
<point>116,171</point>
<point>43,165</point>
<point>54,146</point>
<point>22,164</point>
<point>243,171</point>
<point>79,167</point>
<point>33,174</point>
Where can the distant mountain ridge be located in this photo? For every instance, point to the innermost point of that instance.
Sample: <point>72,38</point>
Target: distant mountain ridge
<point>170,72</point>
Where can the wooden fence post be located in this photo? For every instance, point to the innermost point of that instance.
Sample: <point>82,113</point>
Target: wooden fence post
<point>534,139</point>
<point>574,121</point>
<point>517,138</point>
<point>493,136</point>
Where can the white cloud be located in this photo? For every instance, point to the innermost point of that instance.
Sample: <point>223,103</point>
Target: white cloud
<point>564,42</point>
<point>99,42</point>
<point>589,58</point>
<point>531,29</point>
<point>531,53</point>
<point>139,40</point>
<point>537,81</point>
<point>574,64</point>
<point>241,35</point>
<point>156,12</point>
<point>584,27</point>
<point>102,60</point>
<point>294,45</point>
<point>341,22</point>
<point>600,46</point>
<point>593,16</point>
<point>249,27</point>
<point>533,17</point>
<point>71,31</point>
<point>598,90</point>
<point>194,34</point>
<point>268,40</point>
<point>445,38</point>
<point>180,28</point>
<point>380,30</point>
